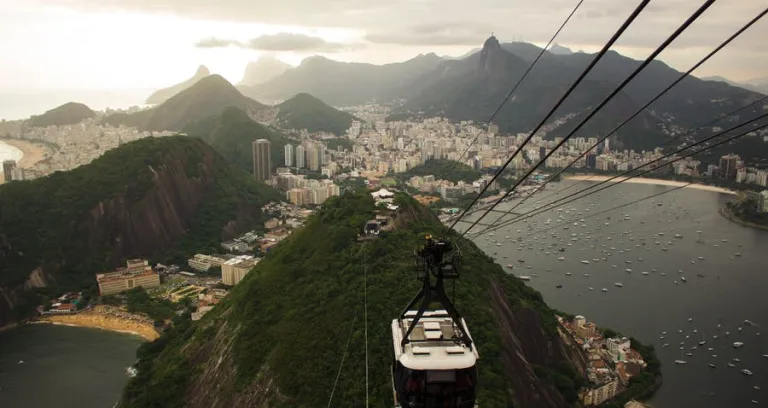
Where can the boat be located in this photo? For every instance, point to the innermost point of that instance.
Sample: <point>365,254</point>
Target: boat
<point>510,266</point>
<point>737,344</point>
<point>711,365</point>
<point>585,262</point>
<point>568,274</point>
<point>559,286</point>
<point>591,288</point>
<point>562,258</point>
<point>586,275</point>
<point>736,359</point>
<point>754,402</point>
<point>731,365</point>
<point>765,355</point>
<point>680,361</point>
<point>746,372</point>
<point>682,278</point>
<point>702,342</point>
<point>618,285</point>
<point>525,278</point>
<point>665,345</point>
<point>604,290</point>
<point>645,273</point>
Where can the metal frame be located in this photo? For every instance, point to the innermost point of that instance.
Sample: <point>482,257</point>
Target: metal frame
<point>431,260</point>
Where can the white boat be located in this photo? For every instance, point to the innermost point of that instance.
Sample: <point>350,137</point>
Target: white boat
<point>618,285</point>
<point>585,262</point>
<point>737,344</point>
<point>731,365</point>
<point>680,361</point>
<point>525,278</point>
<point>682,278</point>
<point>568,274</point>
<point>591,288</point>
<point>562,258</point>
<point>746,372</point>
<point>645,273</point>
<point>604,290</point>
<point>711,365</point>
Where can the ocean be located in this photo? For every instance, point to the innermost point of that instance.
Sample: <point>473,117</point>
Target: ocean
<point>722,288</point>
<point>44,365</point>
<point>8,152</point>
<point>14,106</point>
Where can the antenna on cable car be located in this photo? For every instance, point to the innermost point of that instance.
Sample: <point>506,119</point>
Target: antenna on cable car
<point>442,260</point>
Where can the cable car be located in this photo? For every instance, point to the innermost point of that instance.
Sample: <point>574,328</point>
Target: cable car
<point>435,359</point>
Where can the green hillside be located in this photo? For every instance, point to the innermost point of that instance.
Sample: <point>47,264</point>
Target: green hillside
<point>232,134</point>
<point>279,336</point>
<point>164,198</point>
<point>67,114</point>
<point>304,111</point>
<point>208,96</point>
<point>443,170</point>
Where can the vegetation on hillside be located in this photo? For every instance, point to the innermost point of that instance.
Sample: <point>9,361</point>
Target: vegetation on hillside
<point>443,169</point>
<point>342,142</point>
<point>304,111</point>
<point>67,114</point>
<point>746,209</point>
<point>42,220</point>
<point>293,314</point>
<point>232,134</point>
<point>208,96</point>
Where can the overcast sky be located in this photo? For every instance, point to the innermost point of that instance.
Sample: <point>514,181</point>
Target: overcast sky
<point>128,44</point>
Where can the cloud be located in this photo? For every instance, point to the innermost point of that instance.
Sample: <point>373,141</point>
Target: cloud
<point>281,42</point>
<point>214,42</point>
<point>293,42</point>
<point>433,34</point>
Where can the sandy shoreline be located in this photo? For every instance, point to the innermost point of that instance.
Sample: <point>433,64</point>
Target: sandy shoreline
<point>658,182</point>
<point>33,152</point>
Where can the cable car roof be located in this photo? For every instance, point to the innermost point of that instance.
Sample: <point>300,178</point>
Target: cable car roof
<point>432,345</point>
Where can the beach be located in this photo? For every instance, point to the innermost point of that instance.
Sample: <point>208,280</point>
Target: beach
<point>658,182</point>
<point>106,318</point>
<point>33,152</point>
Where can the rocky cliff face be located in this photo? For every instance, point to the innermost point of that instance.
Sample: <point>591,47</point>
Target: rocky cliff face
<point>181,179</point>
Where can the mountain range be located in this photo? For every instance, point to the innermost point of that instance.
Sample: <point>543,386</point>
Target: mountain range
<point>165,198</point>
<point>471,88</point>
<point>344,83</point>
<point>212,95</point>
<point>757,84</point>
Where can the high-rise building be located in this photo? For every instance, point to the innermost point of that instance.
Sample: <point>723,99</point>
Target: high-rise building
<point>313,157</point>
<point>761,178</point>
<point>262,162</point>
<point>301,156</point>
<point>728,166</point>
<point>591,160</point>
<point>493,129</point>
<point>321,155</point>
<point>762,204</point>
<point>289,155</point>
<point>8,169</point>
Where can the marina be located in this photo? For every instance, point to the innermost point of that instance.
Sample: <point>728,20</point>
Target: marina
<point>655,292</point>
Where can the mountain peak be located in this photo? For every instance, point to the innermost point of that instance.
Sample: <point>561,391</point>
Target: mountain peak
<point>202,71</point>
<point>263,70</point>
<point>492,43</point>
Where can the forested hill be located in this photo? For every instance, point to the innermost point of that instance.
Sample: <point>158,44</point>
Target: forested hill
<point>165,198</point>
<point>67,114</point>
<point>444,170</point>
<point>277,339</point>
<point>232,134</point>
<point>304,111</point>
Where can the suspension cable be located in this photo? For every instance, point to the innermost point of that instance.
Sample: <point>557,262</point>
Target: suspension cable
<point>343,357</point>
<point>554,108</point>
<point>674,138</point>
<point>365,313</point>
<point>708,147</point>
<point>602,104</point>
<point>640,110</point>
<point>519,81</point>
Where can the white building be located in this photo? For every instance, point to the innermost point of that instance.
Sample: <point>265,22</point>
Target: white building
<point>235,269</point>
